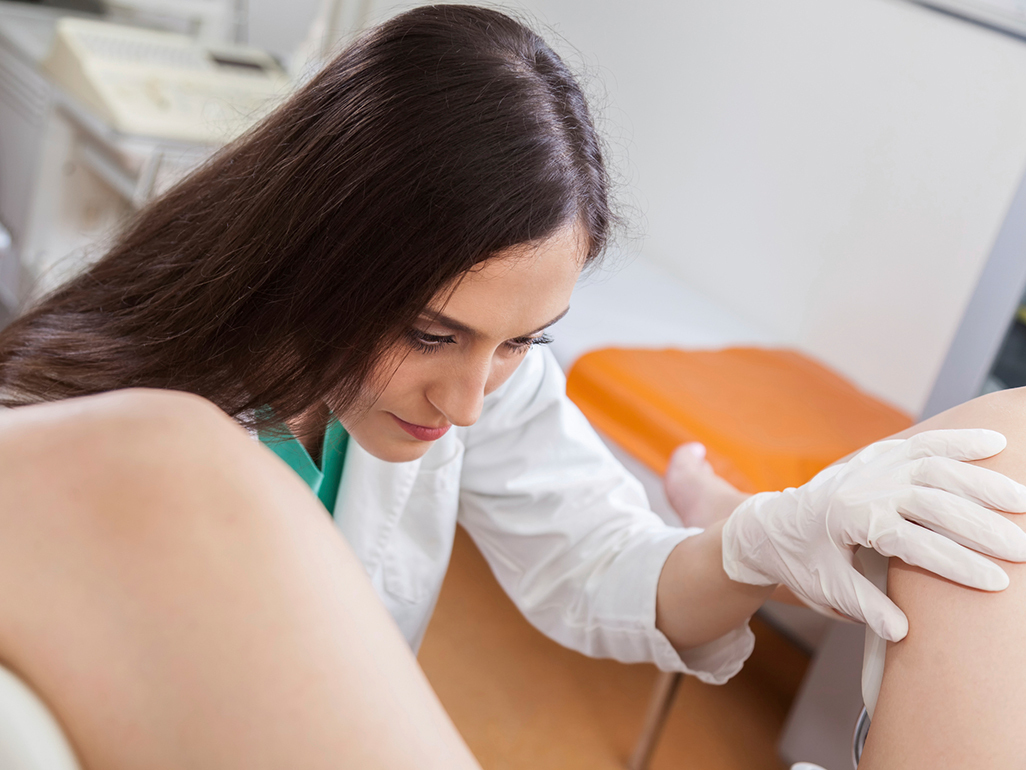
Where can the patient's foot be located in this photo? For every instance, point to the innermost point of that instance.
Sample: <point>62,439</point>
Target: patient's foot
<point>697,494</point>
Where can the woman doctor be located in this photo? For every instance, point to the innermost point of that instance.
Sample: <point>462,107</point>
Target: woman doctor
<point>364,281</point>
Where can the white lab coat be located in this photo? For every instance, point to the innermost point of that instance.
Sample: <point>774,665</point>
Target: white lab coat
<point>566,529</point>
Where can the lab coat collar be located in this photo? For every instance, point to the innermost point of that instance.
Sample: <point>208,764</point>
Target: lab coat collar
<point>370,484</point>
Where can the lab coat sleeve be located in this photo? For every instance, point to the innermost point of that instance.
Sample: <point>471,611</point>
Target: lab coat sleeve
<point>568,532</point>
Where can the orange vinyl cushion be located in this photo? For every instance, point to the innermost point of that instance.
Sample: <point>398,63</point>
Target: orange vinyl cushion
<point>770,419</point>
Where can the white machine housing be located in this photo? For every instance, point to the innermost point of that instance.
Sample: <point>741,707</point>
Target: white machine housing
<point>163,84</point>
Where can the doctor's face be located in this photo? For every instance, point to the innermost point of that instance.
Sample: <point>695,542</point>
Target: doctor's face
<point>467,343</point>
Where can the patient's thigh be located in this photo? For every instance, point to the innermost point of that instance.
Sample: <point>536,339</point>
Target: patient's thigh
<point>179,599</point>
<point>954,690</point>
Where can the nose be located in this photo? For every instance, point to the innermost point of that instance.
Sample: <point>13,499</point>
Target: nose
<point>458,393</point>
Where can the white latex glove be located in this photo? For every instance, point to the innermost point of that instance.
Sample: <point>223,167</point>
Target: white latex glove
<point>805,538</point>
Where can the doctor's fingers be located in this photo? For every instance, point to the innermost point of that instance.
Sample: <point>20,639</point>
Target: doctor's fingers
<point>982,485</point>
<point>872,452</point>
<point>964,522</point>
<point>921,547</point>
<point>856,597</point>
<point>956,443</point>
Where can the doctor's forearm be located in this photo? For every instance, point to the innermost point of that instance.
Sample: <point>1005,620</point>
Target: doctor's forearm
<point>695,601</point>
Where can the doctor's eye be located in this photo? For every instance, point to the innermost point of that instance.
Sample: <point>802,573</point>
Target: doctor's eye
<point>523,344</point>
<point>428,343</point>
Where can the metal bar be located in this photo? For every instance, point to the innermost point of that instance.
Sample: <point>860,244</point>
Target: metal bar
<point>123,183</point>
<point>988,315</point>
<point>658,710</point>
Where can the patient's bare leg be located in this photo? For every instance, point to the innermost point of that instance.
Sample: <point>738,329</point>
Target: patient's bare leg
<point>179,599</point>
<point>954,691</point>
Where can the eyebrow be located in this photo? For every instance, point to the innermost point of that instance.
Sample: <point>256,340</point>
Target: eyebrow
<point>452,323</point>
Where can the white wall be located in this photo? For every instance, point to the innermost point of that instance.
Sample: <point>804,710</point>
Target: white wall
<point>278,26</point>
<point>834,170</point>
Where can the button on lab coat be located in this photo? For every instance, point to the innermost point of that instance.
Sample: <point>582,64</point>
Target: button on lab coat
<point>565,528</point>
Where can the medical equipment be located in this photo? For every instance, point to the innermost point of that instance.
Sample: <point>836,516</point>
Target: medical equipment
<point>162,84</point>
<point>72,171</point>
<point>213,21</point>
<point>858,744</point>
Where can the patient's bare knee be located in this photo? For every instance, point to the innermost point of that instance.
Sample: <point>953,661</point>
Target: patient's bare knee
<point>131,414</point>
<point>154,563</point>
<point>134,471</point>
<point>132,494</point>
<point>112,435</point>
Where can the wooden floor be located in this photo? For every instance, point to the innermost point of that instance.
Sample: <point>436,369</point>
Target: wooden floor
<point>522,701</point>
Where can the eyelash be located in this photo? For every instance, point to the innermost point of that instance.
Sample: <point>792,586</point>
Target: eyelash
<point>432,343</point>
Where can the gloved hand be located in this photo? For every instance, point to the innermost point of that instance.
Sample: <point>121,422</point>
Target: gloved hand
<point>805,538</point>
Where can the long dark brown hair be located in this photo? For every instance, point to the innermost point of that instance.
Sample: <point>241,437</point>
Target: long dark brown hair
<point>282,271</point>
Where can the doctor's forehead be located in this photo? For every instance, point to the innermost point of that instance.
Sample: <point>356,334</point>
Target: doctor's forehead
<point>516,293</point>
<point>439,318</point>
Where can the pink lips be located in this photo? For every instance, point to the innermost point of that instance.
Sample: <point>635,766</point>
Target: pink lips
<point>421,432</point>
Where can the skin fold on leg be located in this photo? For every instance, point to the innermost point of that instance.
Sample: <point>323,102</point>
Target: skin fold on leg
<point>954,690</point>
<point>179,599</point>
